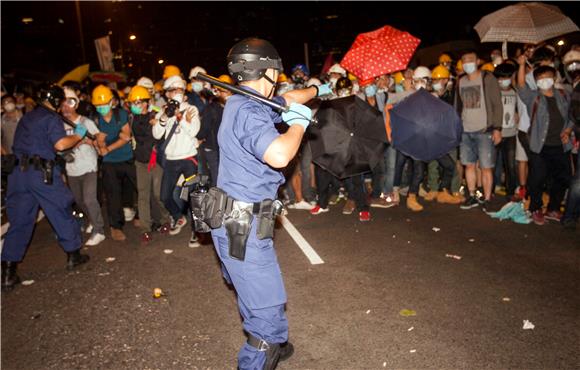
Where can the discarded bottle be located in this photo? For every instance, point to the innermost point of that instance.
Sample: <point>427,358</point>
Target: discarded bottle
<point>157,293</point>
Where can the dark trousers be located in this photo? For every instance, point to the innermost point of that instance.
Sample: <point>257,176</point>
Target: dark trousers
<point>573,202</point>
<point>553,164</point>
<point>507,148</point>
<point>114,175</point>
<point>171,173</point>
<point>417,173</point>
<point>355,186</point>
<point>326,184</point>
<point>212,158</point>
<point>447,164</point>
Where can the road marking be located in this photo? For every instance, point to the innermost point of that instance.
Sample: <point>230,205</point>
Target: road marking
<point>307,249</point>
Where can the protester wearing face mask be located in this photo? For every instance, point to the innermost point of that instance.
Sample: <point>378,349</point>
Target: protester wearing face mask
<point>152,213</point>
<point>478,102</point>
<point>10,118</point>
<point>300,75</point>
<point>283,85</point>
<point>117,157</point>
<point>496,58</point>
<point>445,61</point>
<point>178,123</point>
<point>547,141</point>
<point>334,73</point>
<point>198,97</point>
<point>421,78</point>
<point>82,171</point>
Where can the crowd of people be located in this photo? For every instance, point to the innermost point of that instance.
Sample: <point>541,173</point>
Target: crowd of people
<point>519,143</point>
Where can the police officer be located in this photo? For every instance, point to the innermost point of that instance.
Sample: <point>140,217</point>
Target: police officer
<point>251,152</point>
<point>36,182</point>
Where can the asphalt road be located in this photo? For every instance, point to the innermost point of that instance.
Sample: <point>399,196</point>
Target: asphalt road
<point>343,314</point>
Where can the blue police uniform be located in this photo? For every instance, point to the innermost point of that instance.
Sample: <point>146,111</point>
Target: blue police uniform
<point>246,131</point>
<point>36,134</point>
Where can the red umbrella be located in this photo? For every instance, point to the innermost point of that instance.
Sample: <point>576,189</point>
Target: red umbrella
<point>378,52</point>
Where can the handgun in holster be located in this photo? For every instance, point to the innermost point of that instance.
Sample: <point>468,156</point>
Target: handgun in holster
<point>238,224</point>
<point>269,210</point>
<point>47,171</point>
<point>24,162</point>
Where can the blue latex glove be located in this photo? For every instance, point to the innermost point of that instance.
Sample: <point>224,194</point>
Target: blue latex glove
<point>325,89</point>
<point>80,130</point>
<point>298,115</point>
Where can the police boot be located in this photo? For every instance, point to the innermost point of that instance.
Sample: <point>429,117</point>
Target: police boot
<point>9,277</point>
<point>76,258</point>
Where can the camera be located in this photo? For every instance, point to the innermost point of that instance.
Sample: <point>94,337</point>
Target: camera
<point>172,107</point>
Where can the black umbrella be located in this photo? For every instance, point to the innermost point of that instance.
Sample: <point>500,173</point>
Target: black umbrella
<point>350,137</point>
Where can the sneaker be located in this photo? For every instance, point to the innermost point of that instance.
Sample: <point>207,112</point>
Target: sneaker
<point>446,198</point>
<point>384,201</point>
<point>318,210</point>
<point>163,229</point>
<point>538,217</point>
<point>89,229</point>
<point>479,196</point>
<point>118,235</point>
<point>302,205</point>
<point>146,237</point>
<point>177,225</point>
<point>129,214</point>
<point>470,202</point>
<point>193,241</point>
<point>553,216</point>
<point>349,207</point>
<point>95,239</point>
<point>364,216</point>
<point>413,204</point>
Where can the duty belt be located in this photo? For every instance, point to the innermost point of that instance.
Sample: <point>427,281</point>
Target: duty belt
<point>255,207</point>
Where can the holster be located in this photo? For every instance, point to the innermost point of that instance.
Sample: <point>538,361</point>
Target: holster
<point>269,210</point>
<point>196,200</point>
<point>238,224</point>
<point>47,168</point>
<point>207,208</point>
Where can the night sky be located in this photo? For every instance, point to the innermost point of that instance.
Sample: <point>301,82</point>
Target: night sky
<point>201,33</point>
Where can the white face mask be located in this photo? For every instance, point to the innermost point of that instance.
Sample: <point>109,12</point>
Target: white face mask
<point>419,85</point>
<point>197,86</point>
<point>469,68</point>
<point>178,97</point>
<point>437,86</point>
<point>9,107</point>
<point>545,83</point>
<point>333,81</point>
<point>505,83</point>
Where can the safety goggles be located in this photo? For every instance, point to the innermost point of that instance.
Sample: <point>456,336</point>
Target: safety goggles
<point>71,102</point>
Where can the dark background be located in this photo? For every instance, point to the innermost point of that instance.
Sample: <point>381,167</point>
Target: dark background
<point>200,33</point>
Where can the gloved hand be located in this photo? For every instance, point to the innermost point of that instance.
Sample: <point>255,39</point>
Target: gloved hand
<point>80,130</point>
<point>298,115</point>
<point>325,89</point>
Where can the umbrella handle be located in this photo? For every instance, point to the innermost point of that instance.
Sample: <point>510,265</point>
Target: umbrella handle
<point>252,95</point>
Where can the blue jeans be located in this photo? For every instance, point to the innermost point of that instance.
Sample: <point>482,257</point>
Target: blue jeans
<point>477,146</point>
<point>384,173</point>
<point>173,169</point>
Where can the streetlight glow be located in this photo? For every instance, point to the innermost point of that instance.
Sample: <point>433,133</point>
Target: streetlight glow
<point>132,37</point>
<point>160,61</point>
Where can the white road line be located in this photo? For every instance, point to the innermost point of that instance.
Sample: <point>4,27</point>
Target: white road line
<point>307,249</point>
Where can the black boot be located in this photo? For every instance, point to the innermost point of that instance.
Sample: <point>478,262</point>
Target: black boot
<point>9,277</point>
<point>76,258</point>
<point>286,350</point>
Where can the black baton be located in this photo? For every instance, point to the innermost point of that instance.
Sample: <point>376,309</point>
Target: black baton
<point>250,94</point>
<point>66,120</point>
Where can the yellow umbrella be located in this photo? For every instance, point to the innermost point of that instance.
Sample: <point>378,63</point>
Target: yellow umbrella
<point>78,74</point>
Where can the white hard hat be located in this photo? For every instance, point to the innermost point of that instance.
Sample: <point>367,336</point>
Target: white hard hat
<point>336,68</point>
<point>421,72</point>
<point>174,82</point>
<point>313,81</point>
<point>571,59</point>
<point>195,70</point>
<point>146,82</point>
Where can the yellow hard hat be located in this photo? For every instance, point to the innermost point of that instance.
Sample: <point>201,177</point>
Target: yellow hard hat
<point>188,88</point>
<point>121,94</point>
<point>440,72</point>
<point>459,67</point>
<point>227,79</point>
<point>398,76</point>
<point>282,78</point>
<point>444,58</point>
<point>101,95</point>
<point>138,93</point>
<point>351,77</point>
<point>158,86</point>
<point>170,71</point>
<point>488,67</point>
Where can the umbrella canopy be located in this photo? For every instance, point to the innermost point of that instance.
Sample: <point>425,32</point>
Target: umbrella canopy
<point>350,137</point>
<point>525,23</point>
<point>78,74</point>
<point>378,52</point>
<point>425,127</point>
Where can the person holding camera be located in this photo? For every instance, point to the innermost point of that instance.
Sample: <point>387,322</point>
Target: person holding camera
<point>177,124</point>
<point>81,169</point>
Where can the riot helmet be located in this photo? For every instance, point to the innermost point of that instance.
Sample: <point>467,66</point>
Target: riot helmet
<point>249,59</point>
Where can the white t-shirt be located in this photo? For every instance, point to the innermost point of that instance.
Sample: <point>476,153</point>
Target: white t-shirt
<point>85,155</point>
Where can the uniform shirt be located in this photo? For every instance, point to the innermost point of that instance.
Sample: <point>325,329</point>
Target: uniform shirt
<point>112,129</point>
<point>36,134</point>
<point>246,131</point>
<point>86,156</point>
